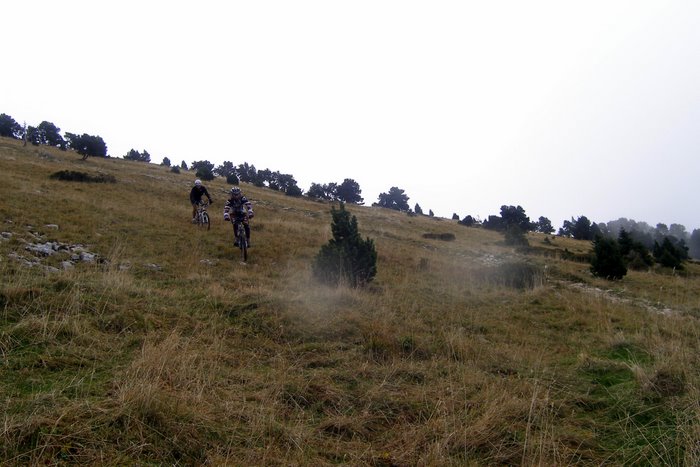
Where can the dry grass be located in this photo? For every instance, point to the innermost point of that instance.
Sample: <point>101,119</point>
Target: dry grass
<point>167,350</point>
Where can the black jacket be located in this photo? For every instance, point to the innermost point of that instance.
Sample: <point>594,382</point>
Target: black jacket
<point>197,193</point>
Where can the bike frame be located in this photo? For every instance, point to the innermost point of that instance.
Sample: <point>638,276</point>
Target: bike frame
<point>239,234</point>
<point>201,212</point>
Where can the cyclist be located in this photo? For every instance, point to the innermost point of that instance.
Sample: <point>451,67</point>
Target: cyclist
<point>238,209</point>
<point>198,190</point>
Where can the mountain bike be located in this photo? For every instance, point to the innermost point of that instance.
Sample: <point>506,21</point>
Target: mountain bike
<point>240,238</point>
<point>202,217</point>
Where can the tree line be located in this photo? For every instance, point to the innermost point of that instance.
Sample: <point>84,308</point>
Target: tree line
<point>617,245</point>
<point>513,220</point>
<point>48,134</point>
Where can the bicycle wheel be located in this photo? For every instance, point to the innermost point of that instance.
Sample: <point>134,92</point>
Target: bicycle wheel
<point>205,220</point>
<point>242,243</point>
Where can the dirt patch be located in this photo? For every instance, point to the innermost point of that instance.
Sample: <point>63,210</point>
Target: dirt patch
<point>614,297</point>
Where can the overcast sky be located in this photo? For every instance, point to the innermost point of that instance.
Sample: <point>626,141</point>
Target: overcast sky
<point>565,108</point>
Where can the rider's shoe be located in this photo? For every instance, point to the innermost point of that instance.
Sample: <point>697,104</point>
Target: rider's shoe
<point>194,220</point>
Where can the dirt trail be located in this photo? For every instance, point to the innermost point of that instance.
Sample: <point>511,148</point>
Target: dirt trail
<point>616,298</point>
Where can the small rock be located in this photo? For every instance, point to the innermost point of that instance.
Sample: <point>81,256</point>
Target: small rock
<point>87,257</point>
<point>66,265</point>
<point>44,249</point>
<point>6,235</point>
<point>51,269</point>
<point>153,267</point>
<point>51,226</point>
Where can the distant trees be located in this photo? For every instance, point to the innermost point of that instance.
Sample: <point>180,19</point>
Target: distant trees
<point>247,173</point>
<point>612,257</point>
<point>225,169</point>
<point>232,179</point>
<point>244,172</point>
<point>134,155</point>
<point>183,165</point>
<point>326,192</point>
<point>580,229</point>
<point>316,191</point>
<point>493,222</point>
<point>346,258</point>
<point>607,260</point>
<point>418,210</point>
<point>648,235</point>
<point>395,199</point>
<point>694,244</point>
<point>166,162</point>
<point>9,128</point>
<point>513,222</point>
<point>228,171</point>
<point>282,182</point>
<point>204,169</point>
<point>515,216</point>
<point>349,192</point>
<point>635,254</point>
<point>46,134</point>
<point>278,181</point>
<point>261,176</point>
<point>294,191</point>
<point>468,221</point>
<point>670,253</point>
<point>543,225</point>
<point>87,145</point>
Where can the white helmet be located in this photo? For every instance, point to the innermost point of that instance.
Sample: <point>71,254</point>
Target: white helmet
<point>197,182</point>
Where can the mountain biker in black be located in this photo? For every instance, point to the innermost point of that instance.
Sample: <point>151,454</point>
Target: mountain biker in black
<point>198,190</point>
<point>238,209</point>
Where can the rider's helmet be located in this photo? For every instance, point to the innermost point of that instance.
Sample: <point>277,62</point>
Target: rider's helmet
<point>235,191</point>
<point>197,182</point>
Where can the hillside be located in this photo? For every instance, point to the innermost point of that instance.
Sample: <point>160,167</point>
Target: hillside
<point>128,336</point>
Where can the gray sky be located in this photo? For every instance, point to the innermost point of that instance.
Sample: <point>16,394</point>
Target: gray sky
<point>565,108</point>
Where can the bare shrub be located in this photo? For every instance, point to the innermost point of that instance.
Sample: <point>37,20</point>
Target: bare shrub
<point>74,176</point>
<point>446,237</point>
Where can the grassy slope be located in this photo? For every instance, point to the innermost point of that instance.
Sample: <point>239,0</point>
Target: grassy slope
<point>172,352</point>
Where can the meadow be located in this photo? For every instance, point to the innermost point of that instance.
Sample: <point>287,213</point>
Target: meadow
<point>140,339</point>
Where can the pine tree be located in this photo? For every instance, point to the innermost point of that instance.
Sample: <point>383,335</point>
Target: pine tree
<point>607,261</point>
<point>346,258</point>
<point>668,255</point>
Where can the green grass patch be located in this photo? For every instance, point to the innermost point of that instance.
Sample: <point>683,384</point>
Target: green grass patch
<point>628,352</point>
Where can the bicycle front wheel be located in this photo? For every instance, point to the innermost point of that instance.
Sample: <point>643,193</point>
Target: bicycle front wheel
<point>244,249</point>
<point>205,220</point>
<point>242,243</point>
